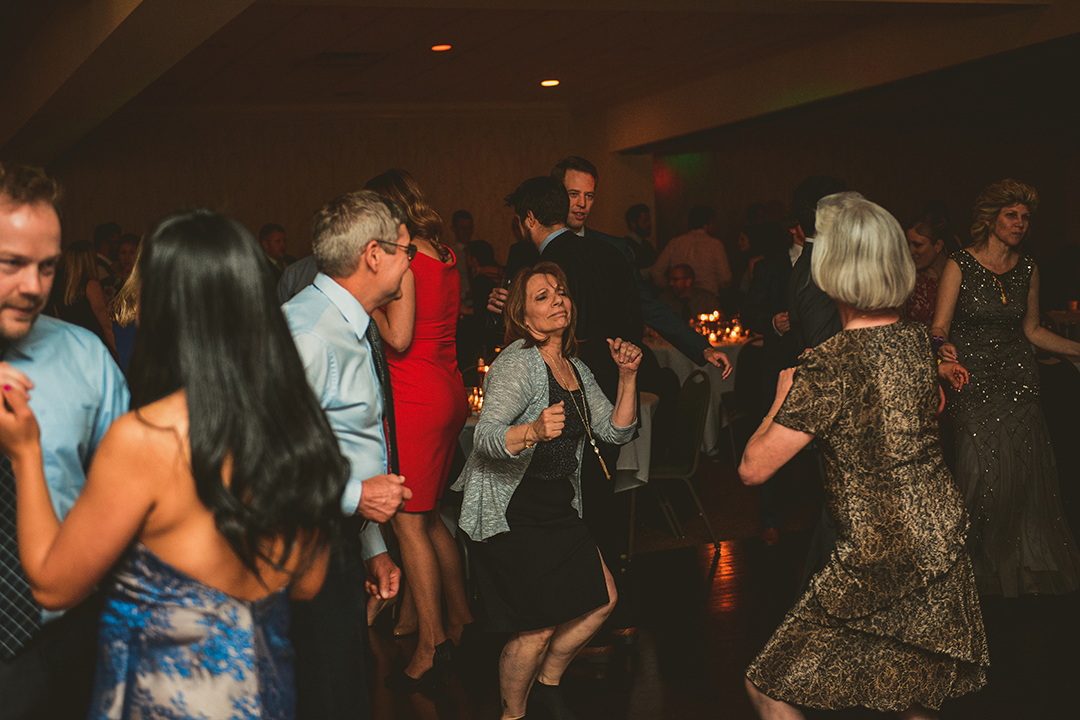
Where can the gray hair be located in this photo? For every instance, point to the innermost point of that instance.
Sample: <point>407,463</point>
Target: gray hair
<point>346,225</point>
<point>861,255</point>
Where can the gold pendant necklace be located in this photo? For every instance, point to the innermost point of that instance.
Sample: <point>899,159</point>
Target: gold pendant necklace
<point>583,416</point>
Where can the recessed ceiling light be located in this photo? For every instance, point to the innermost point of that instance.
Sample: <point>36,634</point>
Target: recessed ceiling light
<point>549,83</point>
<point>440,48</point>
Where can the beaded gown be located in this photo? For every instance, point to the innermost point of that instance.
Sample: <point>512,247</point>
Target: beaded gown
<point>1005,465</point>
<point>173,648</point>
<point>893,618</point>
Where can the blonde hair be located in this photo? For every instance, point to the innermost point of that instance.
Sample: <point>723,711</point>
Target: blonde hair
<point>861,254</point>
<point>78,266</point>
<point>995,197</point>
<point>125,304</point>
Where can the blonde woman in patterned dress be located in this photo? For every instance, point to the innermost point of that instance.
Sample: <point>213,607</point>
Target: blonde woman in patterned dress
<point>892,622</point>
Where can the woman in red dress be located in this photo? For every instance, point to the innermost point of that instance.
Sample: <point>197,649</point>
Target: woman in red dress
<point>430,407</point>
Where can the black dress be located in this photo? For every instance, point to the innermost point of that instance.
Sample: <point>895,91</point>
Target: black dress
<point>546,570</point>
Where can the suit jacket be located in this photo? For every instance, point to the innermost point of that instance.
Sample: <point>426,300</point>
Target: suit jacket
<point>813,314</point>
<point>606,300</point>
<point>656,314</point>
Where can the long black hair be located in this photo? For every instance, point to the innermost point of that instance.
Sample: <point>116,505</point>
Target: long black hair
<point>210,324</point>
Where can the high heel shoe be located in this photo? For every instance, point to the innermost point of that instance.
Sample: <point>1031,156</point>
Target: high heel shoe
<point>401,681</point>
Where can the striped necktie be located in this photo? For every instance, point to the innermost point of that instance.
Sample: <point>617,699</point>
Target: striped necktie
<point>378,355</point>
<point>20,615</point>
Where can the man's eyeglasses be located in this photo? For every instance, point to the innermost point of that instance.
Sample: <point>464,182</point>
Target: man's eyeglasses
<point>410,249</point>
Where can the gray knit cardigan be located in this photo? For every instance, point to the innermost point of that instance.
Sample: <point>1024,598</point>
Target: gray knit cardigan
<point>516,392</point>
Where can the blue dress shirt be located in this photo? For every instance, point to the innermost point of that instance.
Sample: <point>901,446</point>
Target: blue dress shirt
<point>78,393</point>
<point>328,325</point>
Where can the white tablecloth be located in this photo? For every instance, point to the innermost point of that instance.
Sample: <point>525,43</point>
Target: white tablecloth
<point>632,469</point>
<point>668,356</point>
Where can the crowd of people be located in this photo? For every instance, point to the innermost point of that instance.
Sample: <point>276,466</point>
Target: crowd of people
<point>208,448</point>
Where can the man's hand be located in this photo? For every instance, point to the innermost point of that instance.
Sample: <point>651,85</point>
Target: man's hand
<point>383,577</point>
<point>781,322</point>
<point>382,496</point>
<point>718,358</point>
<point>497,300</point>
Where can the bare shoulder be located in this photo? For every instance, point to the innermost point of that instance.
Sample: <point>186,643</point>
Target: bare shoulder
<point>155,427</point>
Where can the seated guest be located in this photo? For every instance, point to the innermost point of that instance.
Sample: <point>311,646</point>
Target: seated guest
<point>930,247</point>
<point>685,299</point>
<point>211,503</point>
<point>540,573</point>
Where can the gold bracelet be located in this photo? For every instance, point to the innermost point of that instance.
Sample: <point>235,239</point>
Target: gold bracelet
<point>527,426</point>
<point>767,417</point>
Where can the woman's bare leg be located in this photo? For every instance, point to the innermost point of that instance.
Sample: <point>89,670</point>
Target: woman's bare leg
<point>518,664</point>
<point>423,578</point>
<point>453,578</point>
<point>769,709</point>
<point>569,637</point>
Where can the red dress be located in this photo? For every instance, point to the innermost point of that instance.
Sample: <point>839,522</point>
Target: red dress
<point>429,395</point>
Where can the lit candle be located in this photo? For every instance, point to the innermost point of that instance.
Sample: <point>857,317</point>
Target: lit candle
<point>712,337</point>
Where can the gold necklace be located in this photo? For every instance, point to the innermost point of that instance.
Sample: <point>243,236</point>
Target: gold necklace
<point>583,416</point>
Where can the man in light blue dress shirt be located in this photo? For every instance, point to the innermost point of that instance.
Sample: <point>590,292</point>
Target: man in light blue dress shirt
<point>361,254</point>
<point>76,391</point>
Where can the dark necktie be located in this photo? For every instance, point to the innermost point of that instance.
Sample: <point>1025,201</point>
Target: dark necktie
<point>20,615</point>
<point>378,355</point>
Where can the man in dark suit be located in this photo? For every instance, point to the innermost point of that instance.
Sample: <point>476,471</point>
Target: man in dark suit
<point>813,314</point>
<point>579,176</point>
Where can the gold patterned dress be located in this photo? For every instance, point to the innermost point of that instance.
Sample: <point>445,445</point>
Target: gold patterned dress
<point>893,618</point>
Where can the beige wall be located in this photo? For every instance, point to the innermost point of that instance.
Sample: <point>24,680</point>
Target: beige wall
<point>281,165</point>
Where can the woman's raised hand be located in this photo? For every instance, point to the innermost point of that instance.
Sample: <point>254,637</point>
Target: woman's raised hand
<point>550,423</point>
<point>625,354</point>
<point>18,426</point>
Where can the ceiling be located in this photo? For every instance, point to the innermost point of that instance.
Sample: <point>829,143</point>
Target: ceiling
<point>278,52</point>
<point>68,65</point>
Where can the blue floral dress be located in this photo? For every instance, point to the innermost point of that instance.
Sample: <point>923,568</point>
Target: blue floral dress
<point>171,647</point>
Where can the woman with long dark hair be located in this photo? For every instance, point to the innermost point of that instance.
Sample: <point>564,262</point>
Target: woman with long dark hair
<point>419,331</point>
<point>212,501</point>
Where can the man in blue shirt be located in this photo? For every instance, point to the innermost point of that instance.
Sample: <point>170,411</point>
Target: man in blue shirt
<point>362,254</point>
<point>76,391</point>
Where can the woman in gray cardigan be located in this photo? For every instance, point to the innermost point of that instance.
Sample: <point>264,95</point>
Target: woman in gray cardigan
<point>540,573</point>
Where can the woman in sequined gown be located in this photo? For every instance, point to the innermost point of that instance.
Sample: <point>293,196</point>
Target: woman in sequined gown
<point>892,622</point>
<point>210,502</point>
<point>988,311</point>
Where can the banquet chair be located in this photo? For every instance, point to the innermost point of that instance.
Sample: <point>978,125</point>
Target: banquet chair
<point>678,458</point>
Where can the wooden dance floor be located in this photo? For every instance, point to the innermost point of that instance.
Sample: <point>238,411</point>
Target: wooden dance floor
<point>702,616</point>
